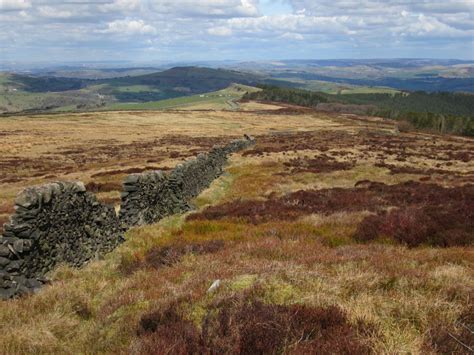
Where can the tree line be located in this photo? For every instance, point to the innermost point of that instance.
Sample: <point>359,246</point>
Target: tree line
<point>442,112</point>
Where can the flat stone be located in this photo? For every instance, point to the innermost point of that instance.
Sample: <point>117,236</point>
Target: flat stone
<point>4,261</point>
<point>33,283</point>
<point>4,251</point>
<point>47,194</point>
<point>6,293</point>
<point>27,199</point>
<point>131,179</point>
<point>79,187</point>
<point>130,188</point>
<point>18,246</point>
<point>13,266</point>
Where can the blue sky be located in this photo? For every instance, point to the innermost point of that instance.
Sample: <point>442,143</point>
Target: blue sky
<point>186,30</point>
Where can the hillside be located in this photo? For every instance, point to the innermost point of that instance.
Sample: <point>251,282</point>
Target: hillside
<point>217,100</point>
<point>33,93</point>
<point>190,79</point>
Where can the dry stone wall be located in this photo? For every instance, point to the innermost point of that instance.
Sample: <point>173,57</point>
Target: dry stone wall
<point>150,196</point>
<point>53,223</point>
<point>63,223</point>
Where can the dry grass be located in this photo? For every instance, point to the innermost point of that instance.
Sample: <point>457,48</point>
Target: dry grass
<point>152,291</point>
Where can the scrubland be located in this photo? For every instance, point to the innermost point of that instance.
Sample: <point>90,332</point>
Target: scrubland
<point>334,234</point>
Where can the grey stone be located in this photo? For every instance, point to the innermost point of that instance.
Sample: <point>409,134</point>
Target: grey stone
<point>27,199</point>
<point>131,179</point>
<point>47,193</point>
<point>79,187</point>
<point>6,293</point>
<point>4,261</point>
<point>4,251</point>
<point>33,283</point>
<point>130,188</point>
<point>18,246</point>
<point>13,266</point>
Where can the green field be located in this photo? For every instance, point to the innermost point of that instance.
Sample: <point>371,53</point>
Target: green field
<point>336,88</point>
<point>222,99</point>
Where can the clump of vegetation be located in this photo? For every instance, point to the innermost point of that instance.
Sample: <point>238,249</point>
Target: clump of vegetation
<point>242,324</point>
<point>158,257</point>
<point>414,226</point>
<point>456,338</point>
<point>320,164</point>
<point>166,332</point>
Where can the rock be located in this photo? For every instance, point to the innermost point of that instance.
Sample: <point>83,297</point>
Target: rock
<point>6,293</point>
<point>130,188</point>
<point>131,179</point>
<point>4,261</point>
<point>27,199</point>
<point>47,194</point>
<point>13,266</point>
<point>215,285</point>
<point>4,251</point>
<point>18,246</point>
<point>79,187</point>
<point>33,284</point>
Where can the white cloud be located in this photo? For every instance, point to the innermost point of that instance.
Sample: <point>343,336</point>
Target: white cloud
<point>12,5</point>
<point>220,31</point>
<point>51,12</point>
<point>121,5</point>
<point>130,27</point>
<point>292,36</point>
<point>187,26</point>
<point>208,8</point>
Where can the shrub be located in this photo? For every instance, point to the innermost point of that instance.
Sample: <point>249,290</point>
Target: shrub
<point>405,126</point>
<point>244,325</point>
<point>455,338</point>
<point>168,333</point>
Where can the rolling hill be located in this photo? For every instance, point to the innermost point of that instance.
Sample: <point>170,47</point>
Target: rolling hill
<point>32,93</point>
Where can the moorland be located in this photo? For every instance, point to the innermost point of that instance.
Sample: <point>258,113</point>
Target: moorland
<point>336,233</point>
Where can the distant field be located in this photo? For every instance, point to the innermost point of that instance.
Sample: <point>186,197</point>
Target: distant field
<point>217,100</point>
<point>335,88</point>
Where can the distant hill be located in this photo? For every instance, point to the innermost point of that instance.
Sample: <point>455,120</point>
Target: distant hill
<point>43,84</point>
<point>44,93</point>
<point>425,82</point>
<point>189,79</point>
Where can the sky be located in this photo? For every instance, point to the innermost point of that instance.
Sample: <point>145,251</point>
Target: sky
<point>243,30</point>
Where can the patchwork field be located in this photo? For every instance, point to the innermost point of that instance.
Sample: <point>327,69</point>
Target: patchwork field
<point>334,234</point>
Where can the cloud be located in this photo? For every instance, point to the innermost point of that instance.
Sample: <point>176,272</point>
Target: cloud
<point>121,5</point>
<point>51,12</point>
<point>237,28</point>
<point>129,27</point>
<point>292,36</point>
<point>208,8</point>
<point>220,31</point>
<point>13,5</point>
